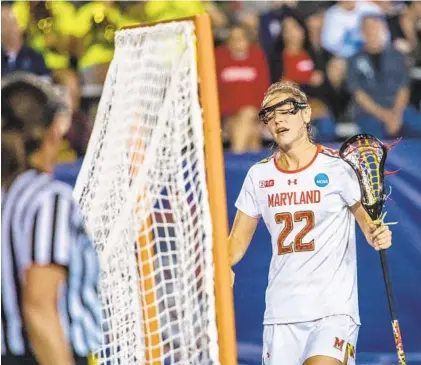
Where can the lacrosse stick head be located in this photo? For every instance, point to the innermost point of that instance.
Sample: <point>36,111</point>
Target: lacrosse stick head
<point>367,155</point>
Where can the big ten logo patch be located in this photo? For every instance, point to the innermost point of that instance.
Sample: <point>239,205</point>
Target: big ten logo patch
<point>321,180</point>
<point>266,183</point>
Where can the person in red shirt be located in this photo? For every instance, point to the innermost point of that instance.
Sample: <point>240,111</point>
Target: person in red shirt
<point>243,77</point>
<point>292,61</point>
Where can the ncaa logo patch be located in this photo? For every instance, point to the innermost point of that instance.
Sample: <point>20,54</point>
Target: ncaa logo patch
<point>321,180</point>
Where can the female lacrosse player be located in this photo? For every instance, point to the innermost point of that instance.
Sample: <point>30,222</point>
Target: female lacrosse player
<point>308,198</point>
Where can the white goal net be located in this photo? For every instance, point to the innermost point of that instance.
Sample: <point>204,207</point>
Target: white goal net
<point>142,190</point>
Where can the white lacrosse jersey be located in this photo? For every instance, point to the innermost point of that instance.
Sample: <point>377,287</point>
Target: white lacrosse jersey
<point>313,270</point>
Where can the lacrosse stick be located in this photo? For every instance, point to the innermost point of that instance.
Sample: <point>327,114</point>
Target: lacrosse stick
<point>367,155</point>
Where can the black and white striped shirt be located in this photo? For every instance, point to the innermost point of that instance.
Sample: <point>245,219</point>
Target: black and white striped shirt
<point>42,225</point>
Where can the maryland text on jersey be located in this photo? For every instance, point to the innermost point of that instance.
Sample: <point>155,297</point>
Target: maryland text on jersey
<point>293,198</point>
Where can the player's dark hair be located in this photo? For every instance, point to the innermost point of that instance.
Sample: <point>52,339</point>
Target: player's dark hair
<point>28,108</point>
<point>12,156</point>
<point>289,88</point>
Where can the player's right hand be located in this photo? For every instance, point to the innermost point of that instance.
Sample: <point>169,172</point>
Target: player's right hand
<point>380,237</point>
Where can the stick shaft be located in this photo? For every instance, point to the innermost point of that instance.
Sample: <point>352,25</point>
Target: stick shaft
<point>388,284</point>
<point>395,323</point>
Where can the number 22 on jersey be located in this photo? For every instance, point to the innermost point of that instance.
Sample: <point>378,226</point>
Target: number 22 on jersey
<point>289,219</point>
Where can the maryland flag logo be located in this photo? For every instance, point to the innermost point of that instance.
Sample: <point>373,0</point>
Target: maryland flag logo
<point>351,351</point>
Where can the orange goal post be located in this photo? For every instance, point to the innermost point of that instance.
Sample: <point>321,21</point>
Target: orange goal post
<point>152,193</point>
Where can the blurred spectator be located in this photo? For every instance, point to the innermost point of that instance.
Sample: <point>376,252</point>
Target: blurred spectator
<point>97,23</point>
<point>291,61</point>
<point>307,8</point>
<point>392,10</point>
<point>164,10</point>
<point>341,31</point>
<point>134,11</point>
<point>409,42</point>
<point>76,140</point>
<point>242,79</point>
<point>270,23</point>
<point>410,28</point>
<point>333,90</point>
<point>378,80</point>
<point>220,21</point>
<point>253,9</point>
<point>15,55</point>
<point>314,23</point>
<point>248,13</point>
<point>48,27</point>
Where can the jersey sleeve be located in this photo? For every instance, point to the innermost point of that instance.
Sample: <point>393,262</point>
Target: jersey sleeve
<point>51,231</point>
<point>350,186</point>
<point>247,201</point>
<point>55,228</point>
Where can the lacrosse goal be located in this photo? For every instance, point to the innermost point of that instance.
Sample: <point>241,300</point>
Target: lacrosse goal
<point>152,192</point>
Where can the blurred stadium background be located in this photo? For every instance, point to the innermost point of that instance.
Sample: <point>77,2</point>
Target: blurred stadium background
<point>316,44</point>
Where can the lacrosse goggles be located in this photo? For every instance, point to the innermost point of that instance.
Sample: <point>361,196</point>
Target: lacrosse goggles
<point>268,113</point>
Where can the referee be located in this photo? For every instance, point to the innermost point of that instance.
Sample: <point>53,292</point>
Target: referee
<point>50,312</point>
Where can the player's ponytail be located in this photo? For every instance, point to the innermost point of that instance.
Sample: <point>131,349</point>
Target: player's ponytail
<point>13,159</point>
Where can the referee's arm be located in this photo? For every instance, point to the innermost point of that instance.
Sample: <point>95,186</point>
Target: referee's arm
<point>50,255</point>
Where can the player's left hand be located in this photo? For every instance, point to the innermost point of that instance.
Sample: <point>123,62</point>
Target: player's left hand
<point>379,237</point>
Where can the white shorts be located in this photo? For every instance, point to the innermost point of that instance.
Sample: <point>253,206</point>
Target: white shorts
<point>292,344</point>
